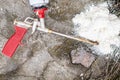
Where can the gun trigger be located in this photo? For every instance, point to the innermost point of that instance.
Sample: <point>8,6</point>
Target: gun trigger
<point>35,23</point>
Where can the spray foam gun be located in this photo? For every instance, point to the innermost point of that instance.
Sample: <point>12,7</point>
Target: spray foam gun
<point>21,28</point>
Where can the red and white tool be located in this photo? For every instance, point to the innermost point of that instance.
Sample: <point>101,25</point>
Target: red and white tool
<point>39,7</point>
<point>21,28</point>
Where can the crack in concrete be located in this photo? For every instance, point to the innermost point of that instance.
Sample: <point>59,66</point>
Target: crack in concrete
<point>45,69</point>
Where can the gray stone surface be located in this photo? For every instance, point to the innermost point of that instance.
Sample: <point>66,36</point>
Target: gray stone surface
<point>81,56</point>
<point>22,78</point>
<point>36,65</point>
<point>43,56</point>
<point>59,72</point>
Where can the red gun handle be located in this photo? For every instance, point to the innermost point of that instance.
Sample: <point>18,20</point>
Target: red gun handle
<point>12,44</point>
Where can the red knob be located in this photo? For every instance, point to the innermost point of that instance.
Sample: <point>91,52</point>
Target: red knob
<point>41,12</point>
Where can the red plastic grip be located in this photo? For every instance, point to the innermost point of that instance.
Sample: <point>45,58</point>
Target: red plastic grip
<point>12,44</point>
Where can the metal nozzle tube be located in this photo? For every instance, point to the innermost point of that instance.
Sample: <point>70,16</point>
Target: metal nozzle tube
<point>78,39</point>
<point>25,25</point>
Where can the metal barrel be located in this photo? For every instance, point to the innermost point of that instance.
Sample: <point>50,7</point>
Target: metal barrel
<point>78,39</point>
<point>25,25</point>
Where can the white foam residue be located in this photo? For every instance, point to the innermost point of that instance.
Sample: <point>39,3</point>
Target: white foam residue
<point>97,24</point>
